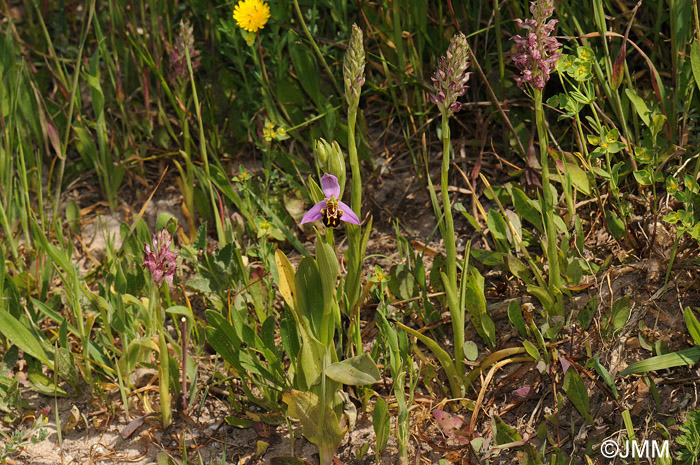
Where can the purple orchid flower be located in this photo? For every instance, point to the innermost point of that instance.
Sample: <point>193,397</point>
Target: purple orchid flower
<point>331,209</point>
<point>159,259</point>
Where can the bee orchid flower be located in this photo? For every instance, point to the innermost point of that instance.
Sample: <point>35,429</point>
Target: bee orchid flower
<point>331,209</point>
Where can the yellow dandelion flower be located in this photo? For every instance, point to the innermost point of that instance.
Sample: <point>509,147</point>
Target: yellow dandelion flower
<point>251,15</point>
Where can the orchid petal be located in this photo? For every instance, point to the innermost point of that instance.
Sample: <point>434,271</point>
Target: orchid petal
<point>349,216</point>
<point>314,213</point>
<point>330,186</point>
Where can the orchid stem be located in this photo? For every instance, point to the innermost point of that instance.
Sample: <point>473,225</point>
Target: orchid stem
<point>450,248</point>
<point>163,366</point>
<point>547,206</point>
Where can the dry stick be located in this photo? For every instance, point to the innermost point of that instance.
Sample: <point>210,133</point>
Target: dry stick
<point>487,381</point>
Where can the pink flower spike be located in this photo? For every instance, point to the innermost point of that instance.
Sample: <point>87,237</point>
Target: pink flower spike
<point>330,186</point>
<point>159,259</point>
<point>314,213</point>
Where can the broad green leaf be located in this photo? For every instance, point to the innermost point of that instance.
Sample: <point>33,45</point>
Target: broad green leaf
<point>86,147</point>
<point>692,324</point>
<point>488,257</point>
<point>237,422</point>
<point>180,310</point>
<point>504,434</point>
<point>20,336</point>
<point>639,105</point>
<point>309,301</point>
<point>471,350</point>
<point>324,432</point>
<point>578,178</point>
<point>45,385</point>
<point>223,339</point>
<point>605,374</point>
<point>660,362</point>
<point>286,274</point>
<point>310,362</point>
<point>356,371</point>
<point>402,283</point>
<point>578,395</point>
<point>531,350</point>
<point>542,295</point>
<point>695,61</point>
<point>616,225</point>
<point>585,315</point>
<point>476,305</point>
<point>497,225</point>
<point>526,208</point>
<point>65,365</point>
<point>519,269</point>
<point>515,315</point>
<point>443,357</point>
<point>381,421</point>
<point>620,313</point>
<point>306,69</point>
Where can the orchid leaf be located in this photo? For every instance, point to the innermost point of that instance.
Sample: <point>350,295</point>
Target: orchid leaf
<point>20,336</point>
<point>515,315</point>
<point>382,423</point>
<point>443,357</point>
<point>519,269</point>
<point>328,272</point>
<point>286,278</point>
<point>310,362</point>
<point>309,301</point>
<point>476,304</point>
<point>661,362</point>
<point>692,324</point>
<point>695,61</point>
<point>305,407</point>
<point>356,371</point>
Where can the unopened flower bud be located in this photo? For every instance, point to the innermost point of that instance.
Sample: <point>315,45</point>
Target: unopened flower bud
<point>330,160</point>
<point>354,67</point>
